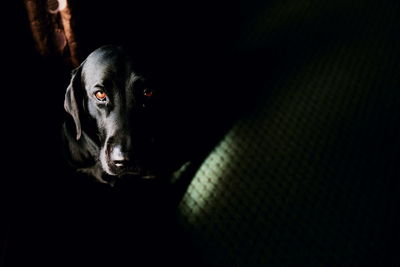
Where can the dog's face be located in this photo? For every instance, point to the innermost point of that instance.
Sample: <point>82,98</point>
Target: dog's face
<point>114,104</point>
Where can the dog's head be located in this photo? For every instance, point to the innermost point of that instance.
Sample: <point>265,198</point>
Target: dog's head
<point>113,105</point>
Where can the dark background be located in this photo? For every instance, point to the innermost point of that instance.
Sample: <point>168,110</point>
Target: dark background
<point>310,178</point>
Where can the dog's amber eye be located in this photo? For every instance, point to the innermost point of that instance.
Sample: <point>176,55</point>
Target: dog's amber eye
<point>100,95</point>
<point>148,93</point>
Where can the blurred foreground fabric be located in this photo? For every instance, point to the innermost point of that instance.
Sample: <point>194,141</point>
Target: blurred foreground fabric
<point>310,176</point>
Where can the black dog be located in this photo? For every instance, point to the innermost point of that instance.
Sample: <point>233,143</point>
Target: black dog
<point>116,119</point>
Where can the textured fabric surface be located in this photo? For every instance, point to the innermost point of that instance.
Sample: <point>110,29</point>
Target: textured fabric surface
<point>309,176</point>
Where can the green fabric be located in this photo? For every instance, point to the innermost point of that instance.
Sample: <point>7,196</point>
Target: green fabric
<point>309,177</point>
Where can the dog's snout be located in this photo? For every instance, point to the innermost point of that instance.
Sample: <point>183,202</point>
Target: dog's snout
<point>119,157</point>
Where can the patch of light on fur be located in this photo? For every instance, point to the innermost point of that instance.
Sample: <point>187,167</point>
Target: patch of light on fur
<point>202,189</point>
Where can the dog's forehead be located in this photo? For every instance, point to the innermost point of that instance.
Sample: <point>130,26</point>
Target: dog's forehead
<point>106,64</point>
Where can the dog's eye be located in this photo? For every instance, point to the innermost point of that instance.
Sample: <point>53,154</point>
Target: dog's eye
<point>148,93</point>
<point>100,95</point>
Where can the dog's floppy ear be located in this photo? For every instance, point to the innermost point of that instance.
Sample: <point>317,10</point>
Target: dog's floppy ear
<point>71,102</point>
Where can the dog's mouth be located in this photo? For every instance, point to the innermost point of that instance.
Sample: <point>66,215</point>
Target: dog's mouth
<point>130,170</point>
<point>128,174</point>
<point>125,170</point>
<point>140,174</point>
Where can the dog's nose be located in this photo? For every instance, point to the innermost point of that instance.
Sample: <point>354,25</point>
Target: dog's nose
<point>119,158</point>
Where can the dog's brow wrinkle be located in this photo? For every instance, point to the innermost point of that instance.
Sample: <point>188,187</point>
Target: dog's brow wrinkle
<point>133,78</point>
<point>99,85</point>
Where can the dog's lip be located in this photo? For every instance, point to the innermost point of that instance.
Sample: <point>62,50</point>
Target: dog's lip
<point>139,174</point>
<point>136,173</point>
<point>149,176</point>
